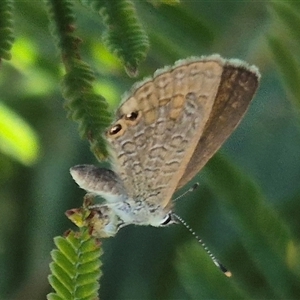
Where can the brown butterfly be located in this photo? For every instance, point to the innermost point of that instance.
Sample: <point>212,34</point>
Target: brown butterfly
<point>165,131</point>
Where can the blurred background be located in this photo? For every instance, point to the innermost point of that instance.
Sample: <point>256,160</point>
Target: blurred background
<point>247,206</point>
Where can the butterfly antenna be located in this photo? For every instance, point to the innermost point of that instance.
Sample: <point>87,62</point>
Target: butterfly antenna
<point>213,258</point>
<point>190,190</point>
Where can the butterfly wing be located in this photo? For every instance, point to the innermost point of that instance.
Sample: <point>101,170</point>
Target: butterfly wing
<point>238,85</point>
<point>159,125</point>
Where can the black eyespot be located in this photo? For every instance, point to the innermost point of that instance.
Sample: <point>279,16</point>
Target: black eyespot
<point>115,129</point>
<point>132,116</point>
<point>167,220</point>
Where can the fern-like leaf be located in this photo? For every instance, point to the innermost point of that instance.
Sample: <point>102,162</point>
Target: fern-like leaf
<point>125,35</point>
<point>84,106</point>
<point>75,267</point>
<point>6,29</point>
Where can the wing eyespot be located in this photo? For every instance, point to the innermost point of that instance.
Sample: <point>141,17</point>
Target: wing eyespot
<point>132,116</point>
<point>115,129</point>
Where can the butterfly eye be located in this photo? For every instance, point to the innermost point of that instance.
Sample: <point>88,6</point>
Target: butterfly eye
<point>115,129</point>
<point>132,116</point>
<point>167,220</point>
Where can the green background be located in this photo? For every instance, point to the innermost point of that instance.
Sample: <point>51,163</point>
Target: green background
<point>247,208</point>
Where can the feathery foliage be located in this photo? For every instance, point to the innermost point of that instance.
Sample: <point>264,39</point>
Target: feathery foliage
<point>84,105</point>
<point>75,269</point>
<point>6,29</point>
<point>125,35</point>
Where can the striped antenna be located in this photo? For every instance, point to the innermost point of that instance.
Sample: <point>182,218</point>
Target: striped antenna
<point>213,258</point>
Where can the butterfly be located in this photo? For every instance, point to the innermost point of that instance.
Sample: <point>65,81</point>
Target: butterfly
<point>165,130</point>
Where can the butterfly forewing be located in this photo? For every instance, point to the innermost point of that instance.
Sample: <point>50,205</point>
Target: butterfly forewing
<point>152,151</point>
